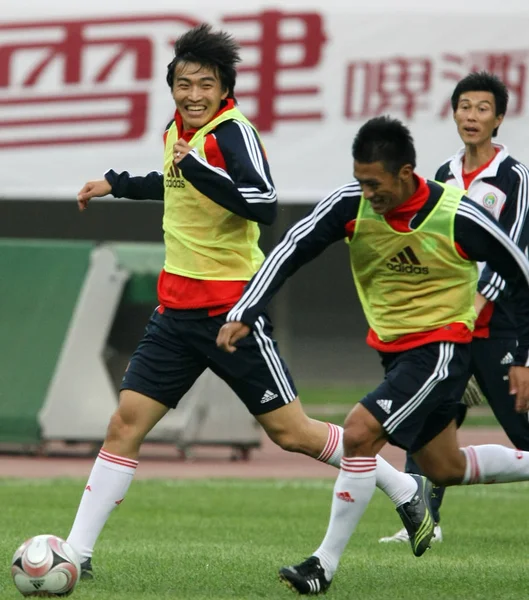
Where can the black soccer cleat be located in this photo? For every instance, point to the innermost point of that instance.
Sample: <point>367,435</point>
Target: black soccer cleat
<point>417,516</point>
<point>87,573</point>
<point>307,578</point>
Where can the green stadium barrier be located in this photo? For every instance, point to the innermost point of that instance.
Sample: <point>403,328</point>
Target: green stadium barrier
<point>144,262</point>
<point>58,303</point>
<point>40,283</point>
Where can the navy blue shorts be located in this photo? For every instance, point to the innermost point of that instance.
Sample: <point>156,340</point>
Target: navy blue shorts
<point>491,361</point>
<point>175,351</point>
<point>420,394</point>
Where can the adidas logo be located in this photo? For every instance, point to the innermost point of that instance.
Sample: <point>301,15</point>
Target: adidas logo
<point>173,178</point>
<point>268,395</point>
<point>37,583</point>
<point>406,261</point>
<point>385,405</point>
<point>507,359</point>
<point>345,496</point>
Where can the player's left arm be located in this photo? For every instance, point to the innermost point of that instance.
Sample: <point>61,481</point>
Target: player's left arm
<point>515,221</point>
<point>245,186</point>
<point>482,239</point>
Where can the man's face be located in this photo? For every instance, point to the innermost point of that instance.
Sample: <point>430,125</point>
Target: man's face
<point>197,92</point>
<point>475,117</point>
<point>383,189</point>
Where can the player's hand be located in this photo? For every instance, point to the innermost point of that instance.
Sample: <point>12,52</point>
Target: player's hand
<point>230,334</point>
<point>92,189</point>
<point>479,302</point>
<point>519,386</point>
<point>180,150</point>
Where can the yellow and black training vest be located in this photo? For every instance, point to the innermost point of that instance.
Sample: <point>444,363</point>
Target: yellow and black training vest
<point>202,239</point>
<point>415,281</point>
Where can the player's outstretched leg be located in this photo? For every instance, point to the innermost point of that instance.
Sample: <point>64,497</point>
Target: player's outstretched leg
<point>291,428</point>
<point>112,472</point>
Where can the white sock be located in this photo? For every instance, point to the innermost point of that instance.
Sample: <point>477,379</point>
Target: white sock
<point>491,463</point>
<point>107,485</point>
<point>400,487</point>
<point>353,491</point>
<point>333,451</point>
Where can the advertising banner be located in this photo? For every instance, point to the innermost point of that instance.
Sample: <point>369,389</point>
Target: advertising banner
<point>82,88</point>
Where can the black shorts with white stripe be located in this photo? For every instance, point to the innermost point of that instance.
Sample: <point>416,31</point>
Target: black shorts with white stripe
<point>420,393</point>
<point>177,347</point>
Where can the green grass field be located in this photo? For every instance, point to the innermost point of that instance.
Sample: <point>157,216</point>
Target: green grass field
<point>198,540</point>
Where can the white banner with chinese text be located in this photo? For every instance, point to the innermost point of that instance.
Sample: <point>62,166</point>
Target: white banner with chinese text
<point>82,92</point>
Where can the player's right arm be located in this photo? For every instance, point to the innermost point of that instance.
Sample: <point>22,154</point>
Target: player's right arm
<point>306,239</point>
<point>123,185</point>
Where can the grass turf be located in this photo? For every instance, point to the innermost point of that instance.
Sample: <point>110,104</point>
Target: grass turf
<point>198,540</point>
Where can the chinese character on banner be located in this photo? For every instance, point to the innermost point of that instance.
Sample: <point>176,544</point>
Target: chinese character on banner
<point>510,67</point>
<point>286,42</point>
<point>62,81</point>
<point>396,85</point>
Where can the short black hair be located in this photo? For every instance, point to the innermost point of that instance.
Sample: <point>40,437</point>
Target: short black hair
<point>385,140</point>
<point>483,81</point>
<point>216,50</point>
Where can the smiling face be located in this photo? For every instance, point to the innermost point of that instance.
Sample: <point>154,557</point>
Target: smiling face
<point>475,117</point>
<point>383,189</point>
<point>198,93</point>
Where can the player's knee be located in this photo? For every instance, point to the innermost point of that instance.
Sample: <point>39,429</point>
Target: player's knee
<point>357,439</point>
<point>123,429</point>
<point>117,428</point>
<point>287,439</point>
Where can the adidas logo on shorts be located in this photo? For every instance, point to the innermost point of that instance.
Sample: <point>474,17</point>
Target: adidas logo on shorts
<point>385,405</point>
<point>507,359</point>
<point>268,395</point>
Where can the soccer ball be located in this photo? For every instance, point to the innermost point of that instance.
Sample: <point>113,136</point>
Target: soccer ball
<point>45,566</point>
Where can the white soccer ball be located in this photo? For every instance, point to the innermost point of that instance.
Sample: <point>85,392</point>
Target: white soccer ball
<point>45,566</point>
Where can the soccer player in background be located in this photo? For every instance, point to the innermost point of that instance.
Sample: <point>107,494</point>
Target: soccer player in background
<point>216,188</point>
<point>500,184</point>
<point>414,247</point>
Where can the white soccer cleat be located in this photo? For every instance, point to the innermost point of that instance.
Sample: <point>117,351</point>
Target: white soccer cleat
<point>402,536</point>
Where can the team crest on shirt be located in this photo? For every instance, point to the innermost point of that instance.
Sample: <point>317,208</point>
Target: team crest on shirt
<point>489,200</point>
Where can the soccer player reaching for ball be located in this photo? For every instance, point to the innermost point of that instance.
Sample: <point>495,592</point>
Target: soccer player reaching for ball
<point>216,188</point>
<point>414,246</point>
<point>499,183</point>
